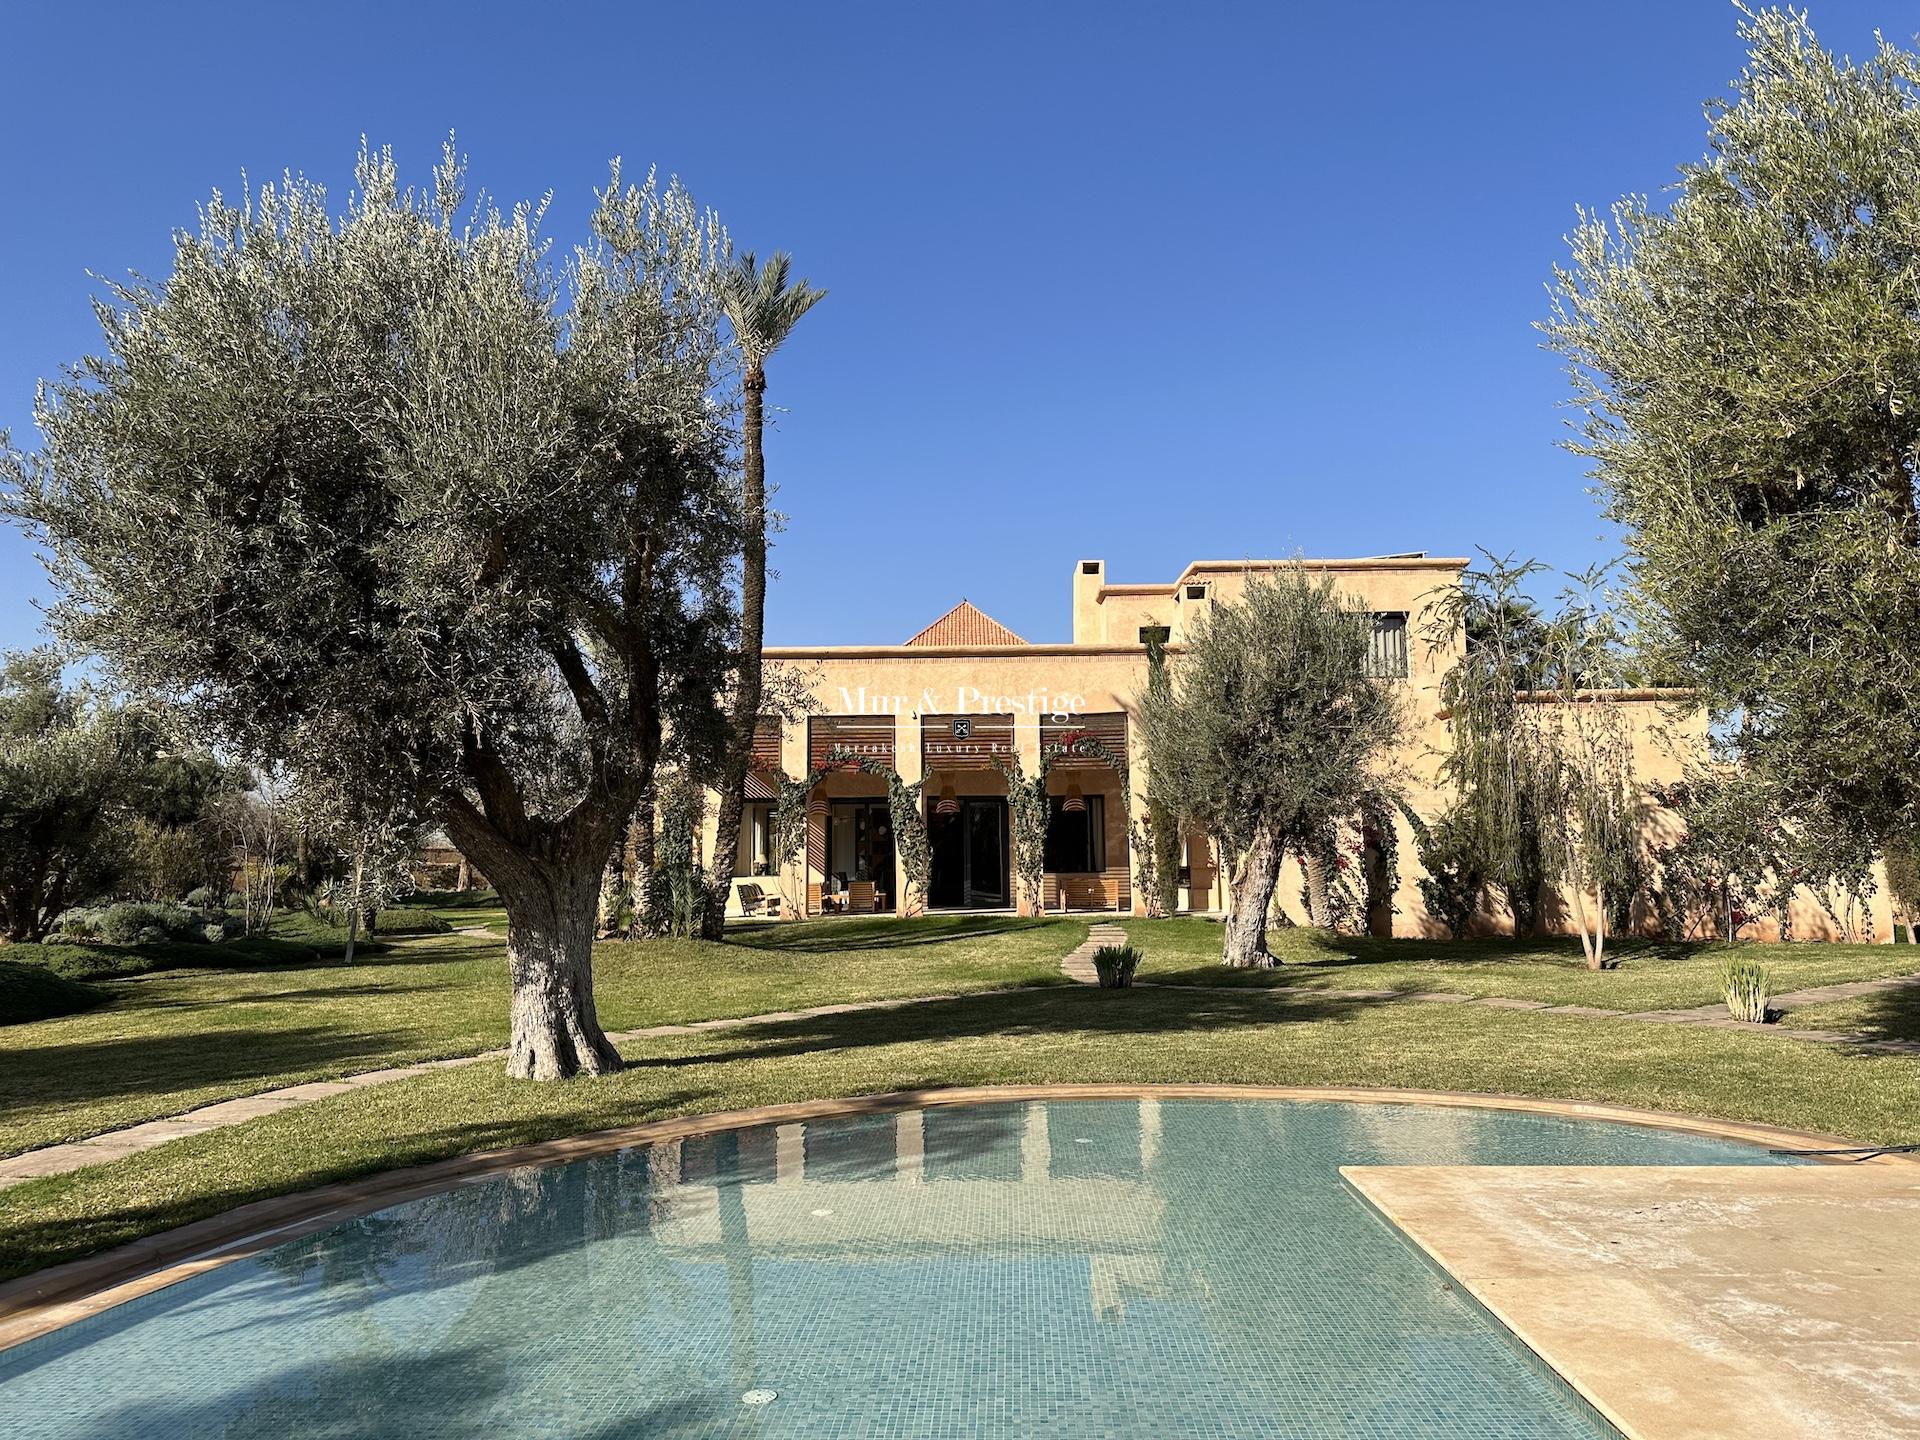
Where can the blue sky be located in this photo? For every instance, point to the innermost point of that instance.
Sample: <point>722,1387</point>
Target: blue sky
<point>1139,283</point>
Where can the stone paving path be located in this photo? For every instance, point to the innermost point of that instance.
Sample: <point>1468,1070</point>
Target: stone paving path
<point>1078,966</point>
<point>59,1159</point>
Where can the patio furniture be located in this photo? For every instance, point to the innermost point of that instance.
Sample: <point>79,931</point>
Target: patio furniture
<point>756,901</point>
<point>863,898</point>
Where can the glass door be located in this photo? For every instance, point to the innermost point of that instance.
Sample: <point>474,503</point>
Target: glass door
<point>986,840</point>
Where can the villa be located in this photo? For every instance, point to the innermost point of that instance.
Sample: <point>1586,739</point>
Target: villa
<point>949,701</point>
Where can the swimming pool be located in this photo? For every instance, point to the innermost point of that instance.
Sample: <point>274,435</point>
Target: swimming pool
<point>1073,1268</point>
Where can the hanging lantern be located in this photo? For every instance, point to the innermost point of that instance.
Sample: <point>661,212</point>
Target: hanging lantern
<point>1075,803</point>
<point>948,803</point>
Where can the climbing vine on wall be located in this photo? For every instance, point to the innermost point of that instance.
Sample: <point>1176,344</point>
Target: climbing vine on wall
<point>1351,889</point>
<point>1378,830</point>
<point>789,825</point>
<point>677,889</point>
<point>1027,800</point>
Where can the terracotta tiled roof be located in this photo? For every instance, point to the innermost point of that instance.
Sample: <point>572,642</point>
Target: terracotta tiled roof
<point>965,625</point>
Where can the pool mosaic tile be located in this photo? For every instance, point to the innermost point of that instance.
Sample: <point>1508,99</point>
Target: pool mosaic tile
<point>1178,1268</point>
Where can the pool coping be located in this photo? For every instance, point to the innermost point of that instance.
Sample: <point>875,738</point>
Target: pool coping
<point>47,1300</point>
<point>1679,1381</point>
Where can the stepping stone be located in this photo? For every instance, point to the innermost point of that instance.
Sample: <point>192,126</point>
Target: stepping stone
<point>1591,1012</point>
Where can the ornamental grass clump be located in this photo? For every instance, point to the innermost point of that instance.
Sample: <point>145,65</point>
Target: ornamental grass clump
<point>1745,982</point>
<point>1115,964</point>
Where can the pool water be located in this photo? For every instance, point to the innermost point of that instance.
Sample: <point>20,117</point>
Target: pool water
<point>1068,1269</point>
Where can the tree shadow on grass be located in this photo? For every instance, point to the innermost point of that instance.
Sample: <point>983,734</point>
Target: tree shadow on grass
<point>136,1065</point>
<point>829,936</point>
<point>1049,1010</point>
<point>1306,954</point>
<point>1892,1014</point>
<point>371,990</point>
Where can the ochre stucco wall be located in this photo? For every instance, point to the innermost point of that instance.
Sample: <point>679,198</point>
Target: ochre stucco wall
<point>1104,671</point>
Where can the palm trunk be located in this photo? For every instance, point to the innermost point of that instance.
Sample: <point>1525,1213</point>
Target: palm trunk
<point>747,683</point>
<point>1249,896</point>
<point>613,888</point>
<point>353,909</point>
<point>1319,910</point>
<point>640,842</point>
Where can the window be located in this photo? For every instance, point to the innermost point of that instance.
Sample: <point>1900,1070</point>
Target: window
<point>1155,634</point>
<point>1387,646</point>
<point>1076,839</point>
<point>756,837</point>
<point>1089,567</point>
<point>1196,592</point>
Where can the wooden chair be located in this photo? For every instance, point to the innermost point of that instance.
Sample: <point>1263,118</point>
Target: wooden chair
<point>755,901</point>
<point>863,897</point>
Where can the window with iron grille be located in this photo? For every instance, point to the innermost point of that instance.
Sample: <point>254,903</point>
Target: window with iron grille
<point>1387,645</point>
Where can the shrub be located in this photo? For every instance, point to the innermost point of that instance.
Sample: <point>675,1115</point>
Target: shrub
<point>80,923</point>
<point>163,862</point>
<point>1745,982</point>
<point>33,992</point>
<point>411,920</point>
<point>437,877</point>
<point>1115,964</point>
<point>145,922</point>
<point>204,899</point>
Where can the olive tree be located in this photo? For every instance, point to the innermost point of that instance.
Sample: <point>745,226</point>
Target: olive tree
<point>68,768</point>
<point>1542,753</point>
<point>1267,732</point>
<point>1499,761</point>
<point>1745,367</point>
<point>395,486</point>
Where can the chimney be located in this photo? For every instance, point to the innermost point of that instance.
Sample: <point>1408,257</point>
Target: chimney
<point>1089,617</point>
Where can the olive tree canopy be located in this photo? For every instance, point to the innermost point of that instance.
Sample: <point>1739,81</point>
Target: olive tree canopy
<point>393,496</point>
<point>1745,359</point>
<point>1265,729</point>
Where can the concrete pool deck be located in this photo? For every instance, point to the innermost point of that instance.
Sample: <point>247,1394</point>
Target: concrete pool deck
<point>1687,1302</point>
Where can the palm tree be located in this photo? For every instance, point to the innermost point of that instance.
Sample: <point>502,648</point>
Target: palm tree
<point>762,309</point>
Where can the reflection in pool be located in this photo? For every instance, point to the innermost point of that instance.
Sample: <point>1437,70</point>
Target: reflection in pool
<point>1068,1269</point>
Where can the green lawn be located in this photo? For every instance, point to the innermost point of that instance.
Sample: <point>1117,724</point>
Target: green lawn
<point>1892,1015</point>
<point>168,1041</point>
<point>1052,1035</point>
<point>33,992</point>
<point>1652,975</point>
<point>462,909</point>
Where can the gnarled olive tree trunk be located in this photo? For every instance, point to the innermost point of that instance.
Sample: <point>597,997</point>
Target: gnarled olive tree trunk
<point>1249,895</point>
<point>552,909</point>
